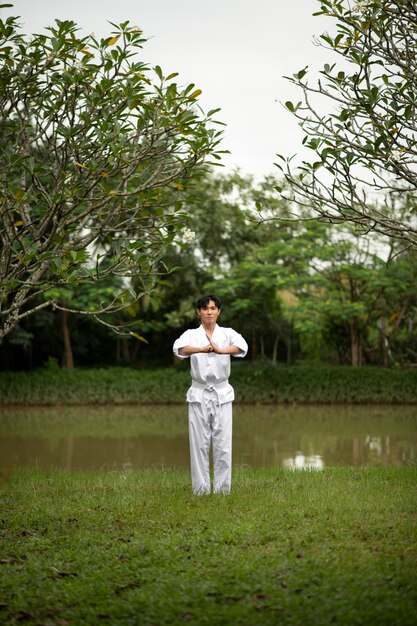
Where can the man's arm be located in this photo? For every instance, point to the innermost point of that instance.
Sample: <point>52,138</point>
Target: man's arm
<point>228,350</point>
<point>188,350</point>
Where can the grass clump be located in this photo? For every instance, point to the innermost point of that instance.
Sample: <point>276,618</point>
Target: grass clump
<point>288,548</point>
<point>115,385</point>
<point>257,382</point>
<point>321,384</point>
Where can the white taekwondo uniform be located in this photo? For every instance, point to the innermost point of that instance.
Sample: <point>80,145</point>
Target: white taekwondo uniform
<point>210,400</point>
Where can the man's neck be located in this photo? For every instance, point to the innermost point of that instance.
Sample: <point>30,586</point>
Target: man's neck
<point>209,328</point>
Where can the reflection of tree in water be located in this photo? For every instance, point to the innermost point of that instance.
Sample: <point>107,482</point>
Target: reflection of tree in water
<point>124,437</point>
<point>300,461</point>
<point>339,435</point>
<point>389,450</point>
<point>69,452</point>
<point>375,446</point>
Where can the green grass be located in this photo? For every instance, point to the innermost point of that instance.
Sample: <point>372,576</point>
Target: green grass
<point>307,548</point>
<point>253,382</point>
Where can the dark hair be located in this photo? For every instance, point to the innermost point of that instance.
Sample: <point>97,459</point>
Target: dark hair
<point>204,300</point>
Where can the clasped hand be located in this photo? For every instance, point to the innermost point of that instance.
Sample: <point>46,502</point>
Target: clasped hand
<point>212,347</point>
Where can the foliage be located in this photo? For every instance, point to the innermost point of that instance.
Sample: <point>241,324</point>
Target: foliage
<point>296,290</point>
<point>257,382</point>
<point>363,170</point>
<point>342,294</point>
<point>222,237</point>
<point>332,294</point>
<point>115,385</point>
<point>95,148</point>
<point>399,310</point>
<point>285,547</point>
<point>218,234</point>
<point>316,383</point>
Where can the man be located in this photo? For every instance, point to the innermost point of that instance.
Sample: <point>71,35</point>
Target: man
<point>210,396</point>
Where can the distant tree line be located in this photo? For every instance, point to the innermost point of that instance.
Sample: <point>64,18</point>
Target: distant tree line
<point>302,290</point>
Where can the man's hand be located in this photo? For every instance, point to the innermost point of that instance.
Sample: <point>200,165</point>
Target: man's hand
<point>189,350</point>
<point>211,347</point>
<point>218,350</point>
<point>214,347</point>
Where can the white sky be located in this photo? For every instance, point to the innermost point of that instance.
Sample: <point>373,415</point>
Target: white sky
<point>236,51</point>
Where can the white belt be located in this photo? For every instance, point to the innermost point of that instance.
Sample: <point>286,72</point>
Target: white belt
<point>210,386</point>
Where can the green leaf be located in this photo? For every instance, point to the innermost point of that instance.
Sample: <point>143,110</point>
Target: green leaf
<point>327,39</point>
<point>112,40</point>
<point>374,93</point>
<point>139,337</point>
<point>195,94</point>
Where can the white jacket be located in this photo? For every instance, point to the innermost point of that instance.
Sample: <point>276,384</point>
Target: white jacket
<point>208,369</point>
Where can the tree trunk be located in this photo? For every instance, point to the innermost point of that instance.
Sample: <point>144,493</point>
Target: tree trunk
<point>289,345</point>
<point>135,351</point>
<point>254,350</point>
<point>126,350</point>
<point>275,349</point>
<point>355,345</point>
<point>67,357</point>
<point>261,340</point>
<point>385,349</point>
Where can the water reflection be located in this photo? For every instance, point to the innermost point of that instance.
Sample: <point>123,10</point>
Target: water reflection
<point>299,461</point>
<point>133,437</point>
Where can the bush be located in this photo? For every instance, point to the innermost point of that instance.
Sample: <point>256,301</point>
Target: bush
<point>253,383</point>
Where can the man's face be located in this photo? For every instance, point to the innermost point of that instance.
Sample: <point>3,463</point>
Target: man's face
<point>209,313</point>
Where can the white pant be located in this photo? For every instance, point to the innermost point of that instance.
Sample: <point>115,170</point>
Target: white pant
<point>210,423</point>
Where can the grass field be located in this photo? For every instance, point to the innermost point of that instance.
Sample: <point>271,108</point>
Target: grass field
<point>287,548</point>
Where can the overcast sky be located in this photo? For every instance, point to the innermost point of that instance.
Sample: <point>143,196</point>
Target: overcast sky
<point>236,51</point>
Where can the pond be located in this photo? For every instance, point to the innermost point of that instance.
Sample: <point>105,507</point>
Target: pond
<point>135,437</point>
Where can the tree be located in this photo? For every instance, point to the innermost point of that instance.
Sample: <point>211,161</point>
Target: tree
<point>396,325</point>
<point>93,144</point>
<point>365,149</point>
<point>342,299</point>
<point>297,290</point>
<point>253,304</point>
<point>217,236</point>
